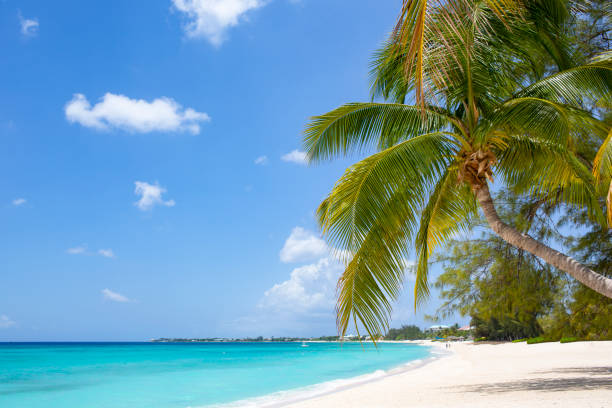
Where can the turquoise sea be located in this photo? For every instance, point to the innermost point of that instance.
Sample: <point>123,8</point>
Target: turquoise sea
<point>181,375</point>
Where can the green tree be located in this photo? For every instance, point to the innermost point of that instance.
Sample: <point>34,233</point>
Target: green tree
<point>592,26</point>
<point>586,314</point>
<point>510,294</point>
<point>407,332</point>
<point>497,94</point>
<point>505,290</point>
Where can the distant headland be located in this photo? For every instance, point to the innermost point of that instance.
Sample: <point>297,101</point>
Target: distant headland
<point>259,339</point>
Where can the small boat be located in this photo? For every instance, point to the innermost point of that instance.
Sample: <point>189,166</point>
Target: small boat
<point>304,344</point>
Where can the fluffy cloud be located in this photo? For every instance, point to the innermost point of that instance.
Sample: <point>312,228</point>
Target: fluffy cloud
<point>107,253</point>
<point>305,301</point>
<point>77,250</point>
<point>29,27</point>
<point>210,19</point>
<point>6,322</point>
<point>114,296</point>
<point>134,115</point>
<point>150,195</point>
<point>302,245</point>
<point>261,160</point>
<point>19,202</point>
<point>295,156</point>
<point>310,288</point>
<point>303,305</point>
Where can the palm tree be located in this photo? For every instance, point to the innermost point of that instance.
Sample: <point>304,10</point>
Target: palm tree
<point>498,92</point>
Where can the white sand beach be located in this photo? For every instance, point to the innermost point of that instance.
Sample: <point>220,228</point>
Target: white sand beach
<point>492,375</point>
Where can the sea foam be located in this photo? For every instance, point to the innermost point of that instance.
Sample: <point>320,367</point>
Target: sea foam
<point>283,398</point>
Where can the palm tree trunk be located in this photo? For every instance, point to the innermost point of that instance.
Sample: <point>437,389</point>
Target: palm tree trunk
<point>599,283</point>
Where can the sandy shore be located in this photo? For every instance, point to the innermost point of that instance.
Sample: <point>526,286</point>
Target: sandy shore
<point>492,375</point>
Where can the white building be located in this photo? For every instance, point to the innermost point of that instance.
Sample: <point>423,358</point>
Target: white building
<point>438,328</point>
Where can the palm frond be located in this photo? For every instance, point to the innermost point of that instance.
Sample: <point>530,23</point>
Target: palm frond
<point>450,208</point>
<point>602,170</point>
<point>539,118</point>
<point>359,197</point>
<point>416,30</point>
<point>471,59</point>
<point>374,276</point>
<point>355,127</point>
<point>409,38</point>
<point>602,165</point>
<point>548,171</point>
<point>371,215</point>
<point>387,77</point>
<point>503,7</point>
<point>575,86</point>
<point>550,19</point>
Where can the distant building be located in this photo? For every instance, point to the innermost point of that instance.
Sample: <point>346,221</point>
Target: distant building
<point>465,328</point>
<point>438,328</point>
<point>349,337</point>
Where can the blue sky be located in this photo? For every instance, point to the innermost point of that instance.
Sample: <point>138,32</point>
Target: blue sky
<point>153,183</point>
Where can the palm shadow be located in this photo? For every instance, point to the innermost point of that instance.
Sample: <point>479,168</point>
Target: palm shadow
<point>586,378</point>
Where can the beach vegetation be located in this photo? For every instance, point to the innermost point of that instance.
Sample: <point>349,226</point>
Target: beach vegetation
<point>504,290</point>
<point>407,332</point>
<point>538,340</point>
<point>475,92</point>
<point>583,313</point>
<point>490,281</point>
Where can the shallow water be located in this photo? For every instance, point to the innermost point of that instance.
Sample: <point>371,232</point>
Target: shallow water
<point>181,375</point>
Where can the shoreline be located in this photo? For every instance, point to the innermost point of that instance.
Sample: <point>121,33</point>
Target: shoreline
<point>304,394</point>
<point>502,375</point>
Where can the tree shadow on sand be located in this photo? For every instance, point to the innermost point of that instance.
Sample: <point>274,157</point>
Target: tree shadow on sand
<point>580,370</point>
<point>590,378</point>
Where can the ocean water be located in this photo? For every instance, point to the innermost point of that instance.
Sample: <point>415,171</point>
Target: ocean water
<point>182,375</point>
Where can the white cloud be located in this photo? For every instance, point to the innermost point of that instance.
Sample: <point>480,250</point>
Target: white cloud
<point>310,288</point>
<point>82,250</point>
<point>150,195</point>
<point>6,322</point>
<point>29,27</point>
<point>114,296</point>
<point>211,18</point>
<point>134,115</point>
<point>108,253</point>
<point>295,156</point>
<point>19,201</point>
<point>305,301</point>
<point>302,245</point>
<point>77,250</point>
<point>261,160</point>
<point>303,305</point>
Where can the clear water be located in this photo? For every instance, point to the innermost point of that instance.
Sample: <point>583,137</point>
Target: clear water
<point>179,375</point>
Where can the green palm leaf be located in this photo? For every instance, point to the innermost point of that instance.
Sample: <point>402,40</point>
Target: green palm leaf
<point>576,85</point>
<point>602,170</point>
<point>358,126</point>
<point>358,198</point>
<point>473,58</point>
<point>450,209</point>
<point>547,170</point>
<point>602,165</point>
<point>539,118</point>
<point>371,215</point>
<point>374,276</point>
